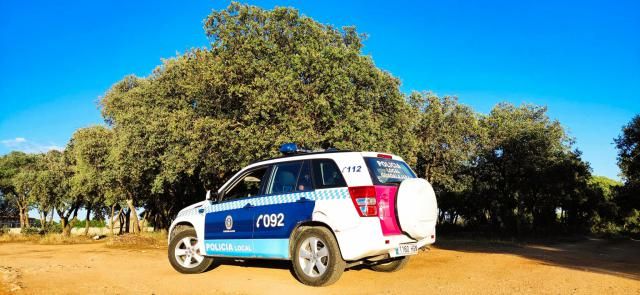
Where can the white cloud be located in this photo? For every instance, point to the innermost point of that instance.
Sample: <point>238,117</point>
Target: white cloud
<point>14,142</point>
<point>24,145</point>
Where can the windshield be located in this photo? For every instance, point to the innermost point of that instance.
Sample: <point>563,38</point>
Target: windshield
<point>385,171</point>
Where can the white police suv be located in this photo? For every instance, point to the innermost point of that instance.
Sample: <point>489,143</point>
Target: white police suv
<point>325,211</point>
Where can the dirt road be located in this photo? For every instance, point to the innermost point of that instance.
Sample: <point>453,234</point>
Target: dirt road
<point>454,267</point>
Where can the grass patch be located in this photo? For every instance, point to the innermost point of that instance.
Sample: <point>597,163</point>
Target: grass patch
<point>48,239</point>
<point>59,239</point>
<point>155,240</point>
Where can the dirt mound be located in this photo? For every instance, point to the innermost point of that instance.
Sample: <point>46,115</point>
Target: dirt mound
<point>137,241</point>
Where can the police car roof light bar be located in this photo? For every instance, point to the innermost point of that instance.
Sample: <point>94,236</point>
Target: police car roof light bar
<point>291,148</point>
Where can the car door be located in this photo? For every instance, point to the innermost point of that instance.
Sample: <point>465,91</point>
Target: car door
<point>286,202</point>
<point>229,224</point>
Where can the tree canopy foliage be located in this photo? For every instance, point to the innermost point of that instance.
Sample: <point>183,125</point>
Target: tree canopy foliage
<point>275,76</point>
<point>628,198</point>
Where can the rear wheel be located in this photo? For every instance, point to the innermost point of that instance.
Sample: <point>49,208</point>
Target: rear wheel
<point>185,255</point>
<point>316,257</point>
<point>392,266</point>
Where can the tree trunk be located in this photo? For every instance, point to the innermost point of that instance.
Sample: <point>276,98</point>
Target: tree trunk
<point>121,220</point>
<point>43,219</point>
<point>133,216</point>
<point>113,207</point>
<point>86,222</point>
<point>66,227</point>
<point>23,224</point>
<point>53,212</point>
<point>127,221</point>
<point>75,212</point>
<point>25,213</point>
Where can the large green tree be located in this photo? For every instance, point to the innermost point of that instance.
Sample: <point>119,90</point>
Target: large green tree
<point>43,182</point>
<point>16,182</point>
<point>269,77</point>
<point>448,138</point>
<point>628,198</point>
<point>525,171</point>
<point>65,202</point>
<point>90,147</point>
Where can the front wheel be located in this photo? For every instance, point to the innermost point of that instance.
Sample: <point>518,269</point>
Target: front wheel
<point>316,257</point>
<point>185,255</point>
<point>394,265</point>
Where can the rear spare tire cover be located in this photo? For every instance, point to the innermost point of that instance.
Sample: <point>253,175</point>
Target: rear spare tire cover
<point>417,208</point>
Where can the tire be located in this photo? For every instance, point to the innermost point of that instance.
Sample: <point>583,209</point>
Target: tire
<point>392,266</point>
<point>315,248</point>
<point>189,259</point>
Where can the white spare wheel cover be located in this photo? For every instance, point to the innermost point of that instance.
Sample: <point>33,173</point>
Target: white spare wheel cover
<point>417,207</point>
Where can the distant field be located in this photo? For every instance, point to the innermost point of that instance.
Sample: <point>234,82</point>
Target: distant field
<point>452,267</point>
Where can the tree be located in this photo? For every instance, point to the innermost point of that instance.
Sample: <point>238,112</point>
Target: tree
<point>16,173</point>
<point>603,193</point>
<point>628,144</point>
<point>7,209</point>
<point>59,173</point>
<point>90,147</point>
<point>447,141</point>
<point>525,162</point>
<point>43,183</point>
<point>269,77</point>
<point>628,197</point>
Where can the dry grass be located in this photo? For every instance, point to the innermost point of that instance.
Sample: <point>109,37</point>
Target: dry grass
<point>143,240</point>
<point>155,240</point>
<point>48,239</point>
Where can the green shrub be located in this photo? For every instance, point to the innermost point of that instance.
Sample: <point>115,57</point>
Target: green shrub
<point>632,223</point>
<point>54,228</point>
<point>31,231</point>
<point>92,223</point>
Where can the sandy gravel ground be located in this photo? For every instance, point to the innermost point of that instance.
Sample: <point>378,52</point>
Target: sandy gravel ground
<point>453,267</point>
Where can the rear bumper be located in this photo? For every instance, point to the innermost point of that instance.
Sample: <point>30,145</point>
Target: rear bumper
<point>367,240</point>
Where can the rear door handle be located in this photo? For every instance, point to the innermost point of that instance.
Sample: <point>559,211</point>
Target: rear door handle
<point>303,199</point>
<point>248,205</point>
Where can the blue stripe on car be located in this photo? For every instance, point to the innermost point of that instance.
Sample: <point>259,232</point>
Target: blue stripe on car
<point>263,248</point>
<point>236,229</point>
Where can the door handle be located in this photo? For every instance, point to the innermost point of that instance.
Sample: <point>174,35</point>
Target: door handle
<point>248,205</point>
<point>302,199</point>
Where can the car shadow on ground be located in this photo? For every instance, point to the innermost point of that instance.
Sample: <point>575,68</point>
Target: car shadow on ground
<point>268,263</point>
<point>251,263</point>
<point>614,257</point>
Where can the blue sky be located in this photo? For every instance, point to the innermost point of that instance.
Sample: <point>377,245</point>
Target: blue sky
<point>581,59</point>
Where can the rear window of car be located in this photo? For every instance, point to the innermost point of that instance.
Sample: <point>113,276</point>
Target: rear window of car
<point>326,174</point>
<point>388,171</point>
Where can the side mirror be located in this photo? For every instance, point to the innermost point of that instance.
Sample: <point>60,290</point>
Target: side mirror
<point>211,196</point>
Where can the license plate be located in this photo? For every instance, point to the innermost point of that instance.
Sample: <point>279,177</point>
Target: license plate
<point>407,249</point>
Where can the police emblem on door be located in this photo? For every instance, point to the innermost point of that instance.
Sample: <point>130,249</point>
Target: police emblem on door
<point>228,223</point>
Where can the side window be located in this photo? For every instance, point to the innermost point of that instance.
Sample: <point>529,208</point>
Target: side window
<point>305,182</point>
<point>284,178</point>
<point>248,186</point>
<point>326,174</point>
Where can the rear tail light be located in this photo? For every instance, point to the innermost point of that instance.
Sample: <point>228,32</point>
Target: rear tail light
<point>364,199</point>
